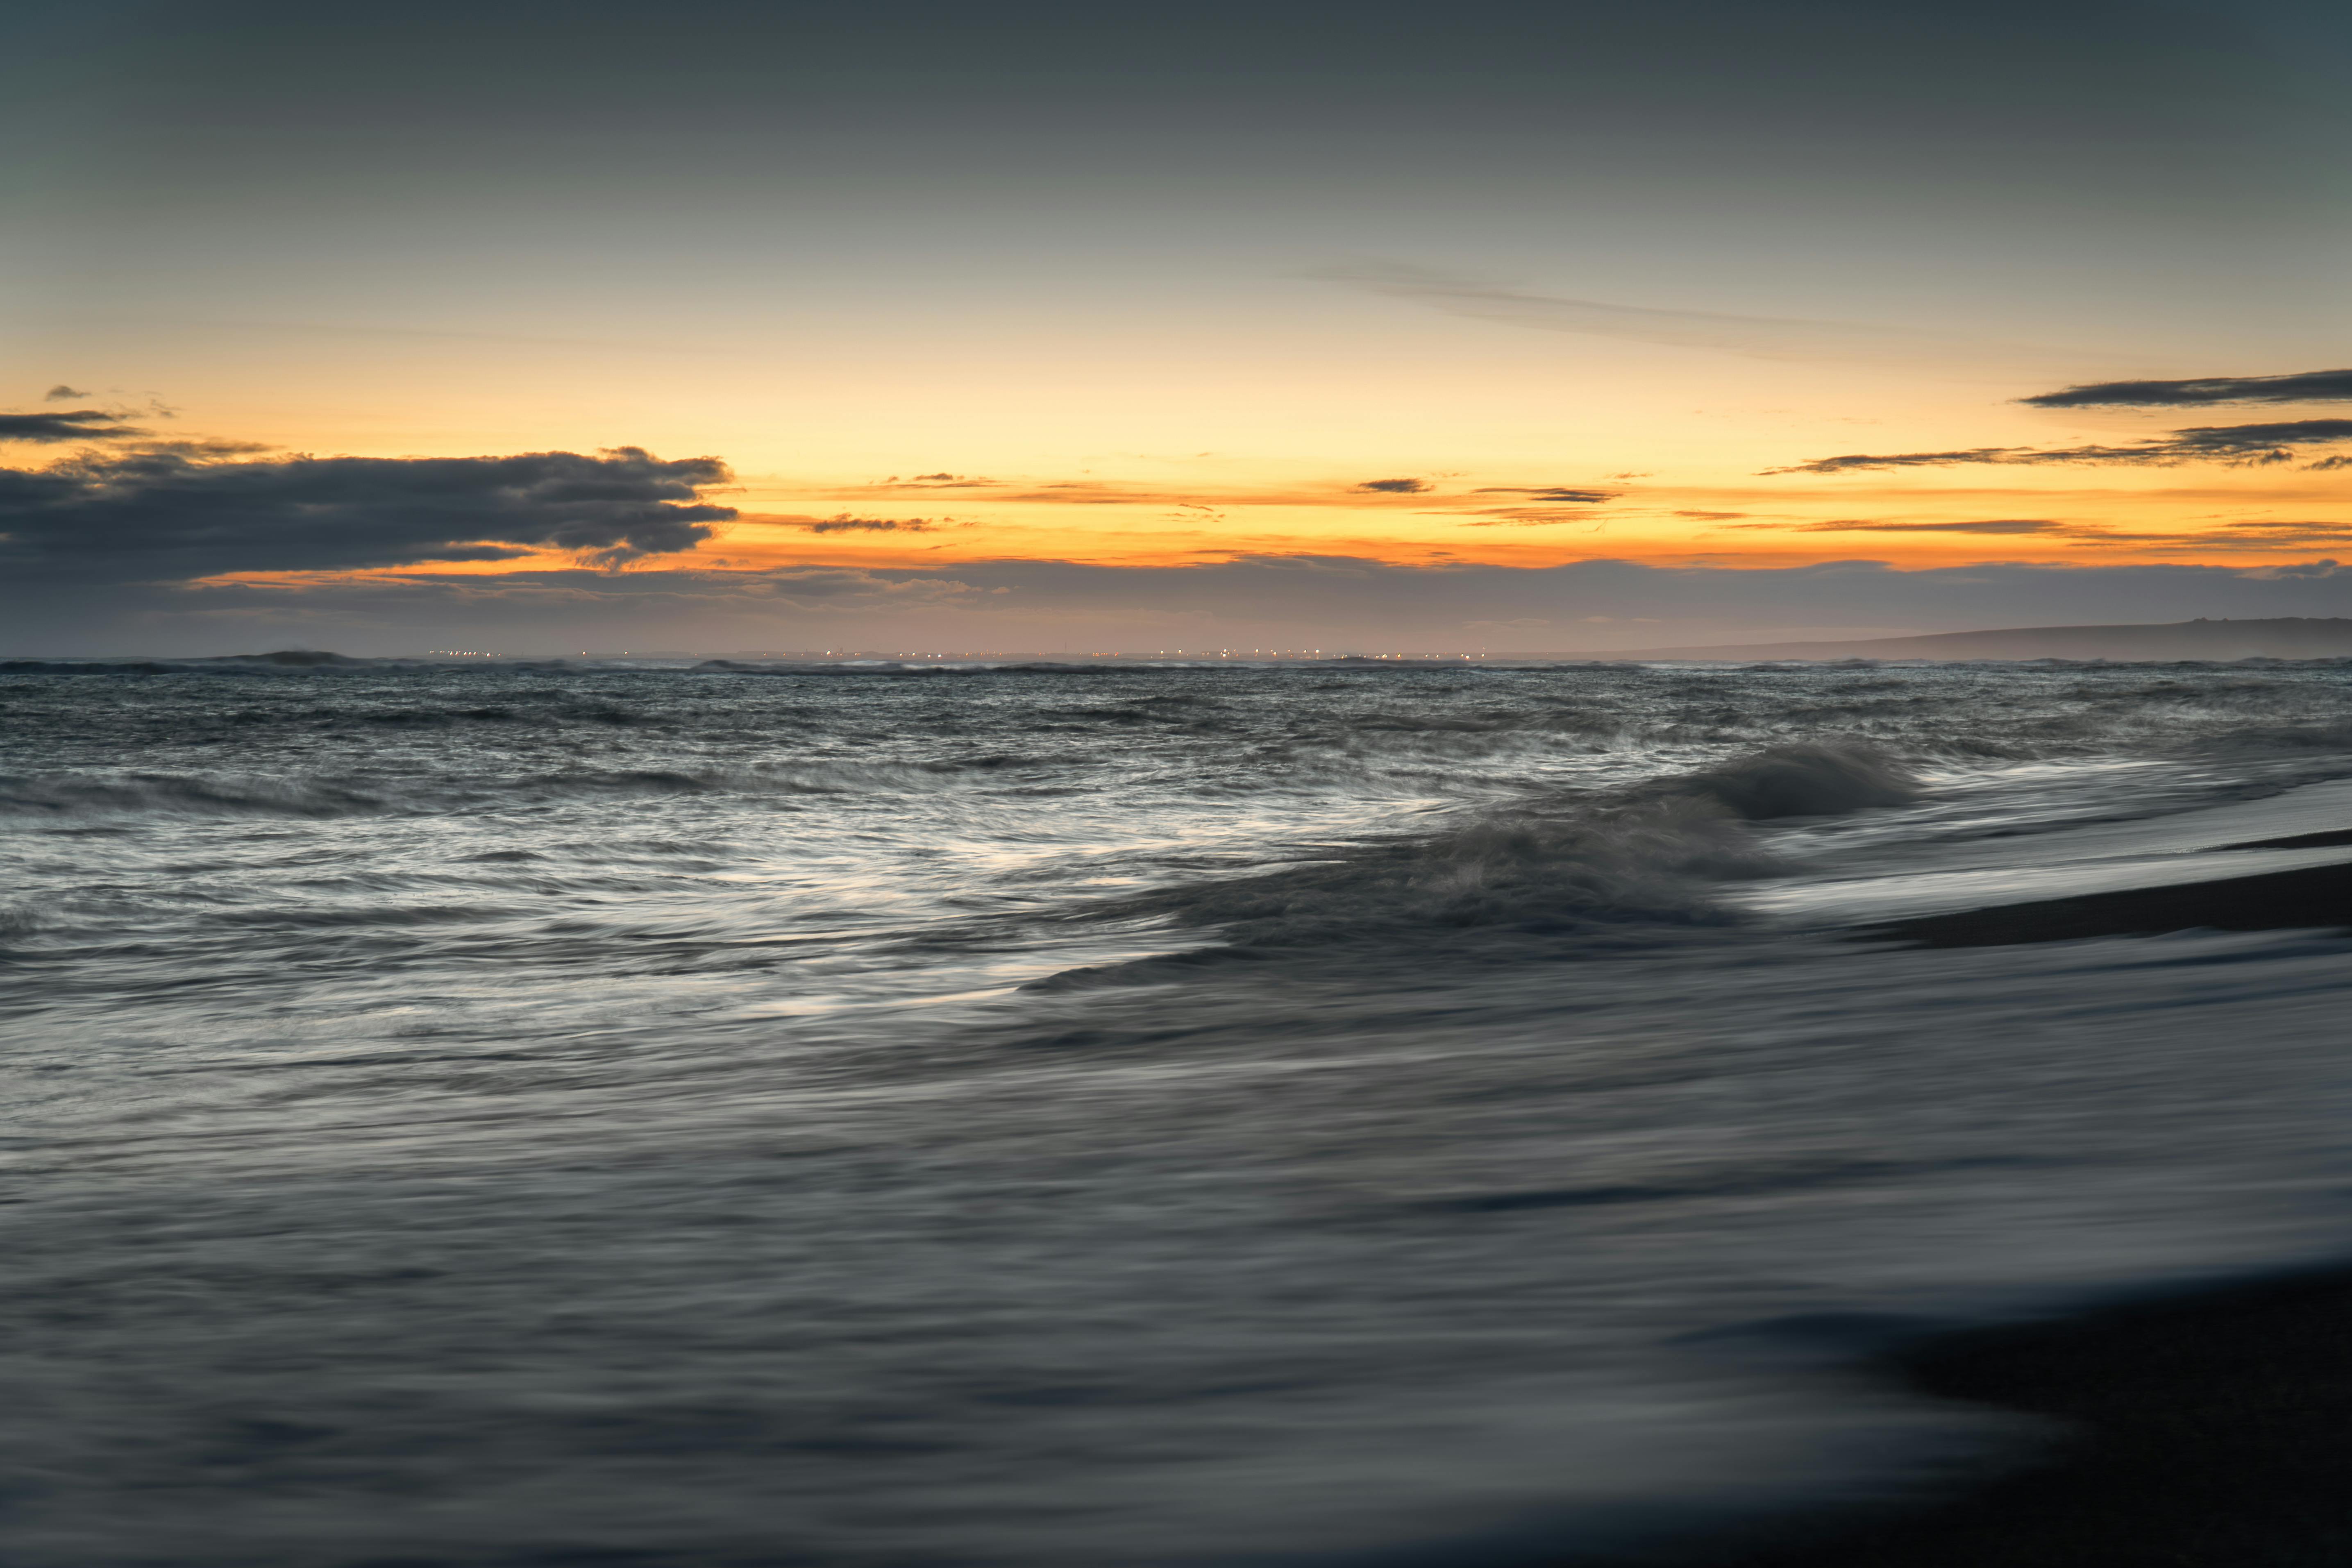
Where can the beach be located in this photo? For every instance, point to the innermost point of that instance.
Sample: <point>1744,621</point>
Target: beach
<point>2206,1430</point>
<point>2318,896</point>
<point>2212,1427</point>
<point>1178,1117</point>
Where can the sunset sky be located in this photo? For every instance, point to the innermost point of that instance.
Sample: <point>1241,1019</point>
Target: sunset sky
<point>1505,327</point>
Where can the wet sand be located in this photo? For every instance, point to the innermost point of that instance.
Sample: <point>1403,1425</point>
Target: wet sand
<point>2213,1431</point>
<point>2316,896</point>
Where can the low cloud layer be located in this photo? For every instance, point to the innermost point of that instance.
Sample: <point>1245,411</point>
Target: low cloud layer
<point>168,514</point>
<point>1992,525</point>
<point>1534,517</point>
<point>845,523</point>
<point>1055,606</point>
<point>1549,492</point>
<point>66,424</point>
<point>2309,387</point>
<point>2242,537</point>
<point>934,482</point>
<point>2238,446</point>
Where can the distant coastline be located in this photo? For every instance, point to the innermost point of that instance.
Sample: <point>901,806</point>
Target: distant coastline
<point>2288,638</point>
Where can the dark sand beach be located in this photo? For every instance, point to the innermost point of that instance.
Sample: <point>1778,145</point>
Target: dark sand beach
<point>2214,1429</point>
<point>2314,896</point>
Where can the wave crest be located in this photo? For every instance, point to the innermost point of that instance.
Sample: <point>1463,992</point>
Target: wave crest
<point>1652,859</point>
<point>1807,778</point>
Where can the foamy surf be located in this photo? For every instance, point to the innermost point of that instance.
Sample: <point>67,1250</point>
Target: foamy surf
<point>631,1134</point>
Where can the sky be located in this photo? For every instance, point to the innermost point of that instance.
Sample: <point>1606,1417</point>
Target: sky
<point>721,327</point>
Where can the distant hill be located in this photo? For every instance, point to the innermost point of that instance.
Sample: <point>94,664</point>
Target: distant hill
<point>2292,638</point>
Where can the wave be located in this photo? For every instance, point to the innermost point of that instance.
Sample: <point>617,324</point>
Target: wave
<point>1651,858</point>
<point>1817,778</point>
<point>79,667</point>
<point>572,711</point>
<point>891,668</point>
<point>301,659</point>
<point>527,710</point>
<point>82,795</point>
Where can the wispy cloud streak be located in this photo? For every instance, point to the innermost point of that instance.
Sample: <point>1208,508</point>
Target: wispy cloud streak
<point>1755,337</point>
<point>2309,387</point>
<point>66,424</point>
<point>2238,446</point>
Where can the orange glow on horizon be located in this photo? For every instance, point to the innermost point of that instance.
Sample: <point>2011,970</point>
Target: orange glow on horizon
<point>1646,526</point>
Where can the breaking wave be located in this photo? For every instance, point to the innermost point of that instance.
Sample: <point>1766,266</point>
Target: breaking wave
<point>1814,778</point>
<point>1655,858</point>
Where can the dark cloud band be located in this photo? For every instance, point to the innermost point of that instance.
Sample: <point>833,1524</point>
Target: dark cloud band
<point>2238,445</point>
<point>2310,386</point>
<point>1550,492</point>
<point>2000,525</point>
<point>153,516</point>
<point>65,425</point>
<point>848,524</point>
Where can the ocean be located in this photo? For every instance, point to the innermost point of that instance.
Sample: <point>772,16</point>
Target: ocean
<point>1111,1116</point>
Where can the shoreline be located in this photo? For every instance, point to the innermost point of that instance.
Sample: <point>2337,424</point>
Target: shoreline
<point>2208,1427</point>
<point>2313,897</point>
<point>2204,1430</point>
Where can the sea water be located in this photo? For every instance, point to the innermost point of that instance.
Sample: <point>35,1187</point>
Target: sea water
<point>1100,1115</point>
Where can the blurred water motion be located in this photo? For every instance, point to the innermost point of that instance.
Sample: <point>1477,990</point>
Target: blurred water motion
<point>1131,1116</point>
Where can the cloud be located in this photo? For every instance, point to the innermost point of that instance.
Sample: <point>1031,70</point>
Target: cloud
<point>2269,535</point>
<point>1851,461</point>
<point>837,590</point>
<point>61,393</point>
<point>1756,337</point>
<point>1075,492</point>
<point>164,515</point>
<point>934,482</point>
<point>845,523</point>
<point>2239,445</point>
<point>2308,386</point>
<point>2231,539</point>
<point>1533,517</point>
<point>2303,568</point>
<point>1330,602</point>
<point>1994,525</point>
<point>1711,516</point>
<point>1537,516</point>
<point>1548,492</point>
<point>1098,492</point>
<point>203,447</point>
<point>65,425</point>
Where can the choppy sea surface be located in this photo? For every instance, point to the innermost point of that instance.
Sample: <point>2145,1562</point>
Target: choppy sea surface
<point>1104,1117</point>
